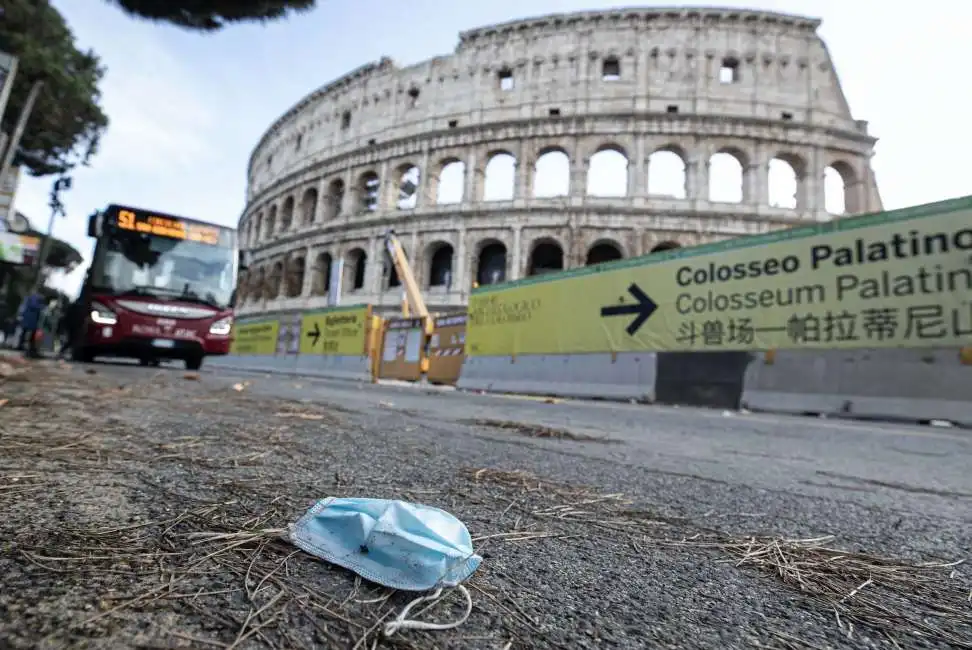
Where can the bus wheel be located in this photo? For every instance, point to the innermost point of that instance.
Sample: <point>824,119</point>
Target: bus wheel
<point>194,363</point>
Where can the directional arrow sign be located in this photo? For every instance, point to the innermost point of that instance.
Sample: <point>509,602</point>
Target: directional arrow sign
<point>315,333</point>
<point>644,308</point>
<point>336,331</point>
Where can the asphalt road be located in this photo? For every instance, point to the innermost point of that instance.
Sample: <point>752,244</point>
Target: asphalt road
<point>892,491</point>
<point>912,471</point>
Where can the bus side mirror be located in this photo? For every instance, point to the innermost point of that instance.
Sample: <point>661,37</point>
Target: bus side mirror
<point>93,225</point>
<point>232,300</point>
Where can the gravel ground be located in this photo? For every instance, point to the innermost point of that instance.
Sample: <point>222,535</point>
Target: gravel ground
<point>137,504</point>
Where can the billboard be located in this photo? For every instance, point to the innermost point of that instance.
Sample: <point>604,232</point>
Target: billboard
<point>898,279</point>
<point>18,249</point>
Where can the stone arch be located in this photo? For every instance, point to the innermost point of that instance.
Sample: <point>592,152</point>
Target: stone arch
<point>256,232</point>
<point>287,214</point>
<point>449,183</point>
<point>840,180</point>
<point>546,256</point>
<point>308,206</point>
<point>667,172</point>
<point>666,245</point>
<point>499,182</point>
<point>321,274</point>
<point>491,262</point>
<point>784,184</point>
<point>607,172</point>
<point>296,268</point>
<point>334,201</point>
<point>258,284</point>
<point>440,256</point>
<point>242,286</point>
<point>355,265</point>
<point>551,173</point>
<point>603,251</point>
<point>251,282</point>
<point>275,281</point>
<point>390,276</point>
<point>727,176</point>
<point>369,192</point>
<point>271,223</point>
<point>408,177</point>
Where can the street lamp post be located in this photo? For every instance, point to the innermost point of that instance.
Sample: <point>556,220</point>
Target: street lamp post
<point>57,208</point>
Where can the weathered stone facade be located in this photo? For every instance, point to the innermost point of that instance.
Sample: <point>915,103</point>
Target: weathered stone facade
<point>326,180</point>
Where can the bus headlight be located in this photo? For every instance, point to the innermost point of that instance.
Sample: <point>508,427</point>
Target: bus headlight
<point>102,315</point>
<point>221,327</point>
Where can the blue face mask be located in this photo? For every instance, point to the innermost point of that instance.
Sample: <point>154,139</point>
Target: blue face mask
<point>397,544</point>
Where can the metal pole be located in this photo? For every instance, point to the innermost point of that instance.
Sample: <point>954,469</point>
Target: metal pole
<point>5,218</point>
<point>3,144</point>
<point>18,133</point>
<point>62,183</point>
<point>42,253</point>
<point>9,62</point>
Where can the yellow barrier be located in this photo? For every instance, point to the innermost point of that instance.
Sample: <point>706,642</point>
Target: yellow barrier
<point>255,337</point>
<point>447,349</point>
<point>863,315</point>
<point>376,333</point>
<point>402,349</point>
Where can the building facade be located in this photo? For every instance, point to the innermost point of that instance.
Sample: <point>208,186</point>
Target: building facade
<point>550,143</point>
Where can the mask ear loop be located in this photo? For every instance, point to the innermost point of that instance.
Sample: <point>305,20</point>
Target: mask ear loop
<point>401,623</point>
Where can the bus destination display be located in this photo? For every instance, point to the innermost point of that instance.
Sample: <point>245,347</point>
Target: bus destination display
<point>168,227</point>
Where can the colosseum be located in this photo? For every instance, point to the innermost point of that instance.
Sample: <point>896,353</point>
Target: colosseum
<point>549,143</point>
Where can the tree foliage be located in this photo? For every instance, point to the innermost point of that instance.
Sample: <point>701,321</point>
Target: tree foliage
<point>213,15</point>
<point>67,121</point>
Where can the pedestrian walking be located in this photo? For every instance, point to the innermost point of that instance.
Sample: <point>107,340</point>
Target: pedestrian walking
<point>30,321</point>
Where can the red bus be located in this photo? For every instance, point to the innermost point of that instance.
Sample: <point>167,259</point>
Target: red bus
<point>159,287</point>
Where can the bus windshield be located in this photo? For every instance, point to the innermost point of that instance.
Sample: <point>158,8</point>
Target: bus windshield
<point>165,268</point>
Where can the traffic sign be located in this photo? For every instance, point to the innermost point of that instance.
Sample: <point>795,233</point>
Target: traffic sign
<point>339,331</point>
<point>893,279</point>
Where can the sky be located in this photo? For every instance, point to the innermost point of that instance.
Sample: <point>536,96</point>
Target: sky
<point>186,109</point>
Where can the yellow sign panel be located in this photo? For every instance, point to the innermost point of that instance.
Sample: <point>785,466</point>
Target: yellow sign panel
<point>895,279</point>
<point>255,338</point>
<point>340,331</point>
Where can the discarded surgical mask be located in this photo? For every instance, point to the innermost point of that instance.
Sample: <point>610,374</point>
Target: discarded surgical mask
<point>397,544</point>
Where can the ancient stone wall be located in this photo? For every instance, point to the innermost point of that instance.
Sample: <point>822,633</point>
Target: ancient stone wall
<point>551,143</point>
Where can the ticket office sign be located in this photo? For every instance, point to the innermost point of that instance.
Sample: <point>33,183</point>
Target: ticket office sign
<point>339,331</point>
